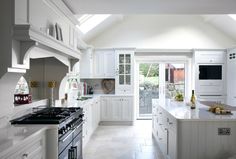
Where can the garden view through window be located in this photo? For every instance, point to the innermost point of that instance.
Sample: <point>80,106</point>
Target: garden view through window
<point>150,76</point>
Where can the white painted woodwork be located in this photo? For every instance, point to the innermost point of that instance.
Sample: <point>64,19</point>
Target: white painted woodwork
<point>98,63</point>
<point>210,89</point>
<point>122,85</point>
<point>195,139</point>
<point>30,22</point>
<point>152,7</point>
<point>104,63</point>
<point>127,109</point>
<point>105,109</point>
<point>31,148</point>
<point>91,118</point>
<point>117,109</point>
<point>86,64</point>
<point>210,56</point>
<point>231,78</point>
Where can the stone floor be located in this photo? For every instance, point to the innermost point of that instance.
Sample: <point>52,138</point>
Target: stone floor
<point>123,142</point>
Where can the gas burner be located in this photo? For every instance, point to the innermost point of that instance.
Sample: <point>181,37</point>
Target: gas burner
<point>53,115</point>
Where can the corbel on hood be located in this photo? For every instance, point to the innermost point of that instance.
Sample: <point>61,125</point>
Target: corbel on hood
<point>30,38</point>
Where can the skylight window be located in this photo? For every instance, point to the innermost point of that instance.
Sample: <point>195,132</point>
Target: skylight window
<point>90,21</point>
<point>233,16</point>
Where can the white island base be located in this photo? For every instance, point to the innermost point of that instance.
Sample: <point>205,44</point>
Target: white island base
<point>182,133</point>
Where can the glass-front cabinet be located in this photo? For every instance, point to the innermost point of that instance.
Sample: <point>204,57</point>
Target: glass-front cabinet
<point>124,71</point>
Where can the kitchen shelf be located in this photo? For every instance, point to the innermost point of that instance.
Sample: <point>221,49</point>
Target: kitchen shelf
<point>31,37</point>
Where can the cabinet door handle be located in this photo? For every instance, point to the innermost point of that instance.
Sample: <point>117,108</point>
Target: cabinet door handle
<point>160,124</point>
<point>160,113</point>
<point>170,123</point>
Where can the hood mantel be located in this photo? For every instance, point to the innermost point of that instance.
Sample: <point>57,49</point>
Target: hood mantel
<point>29,37</point>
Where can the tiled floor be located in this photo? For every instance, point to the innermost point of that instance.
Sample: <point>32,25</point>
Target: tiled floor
<point>123,142</point>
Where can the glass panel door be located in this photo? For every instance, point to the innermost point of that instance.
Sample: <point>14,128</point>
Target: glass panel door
<point>175,81</point>
<point>148,88</point>
<point>124,69</point>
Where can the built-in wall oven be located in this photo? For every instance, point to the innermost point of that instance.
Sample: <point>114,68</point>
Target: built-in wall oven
<point>210,82</point>
<point>210,72</point>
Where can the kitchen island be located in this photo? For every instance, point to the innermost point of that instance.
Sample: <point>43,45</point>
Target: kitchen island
<point>183,133</point>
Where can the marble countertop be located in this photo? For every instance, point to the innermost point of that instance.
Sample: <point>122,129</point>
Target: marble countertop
<point>12,136</point>
<point>181,111</point>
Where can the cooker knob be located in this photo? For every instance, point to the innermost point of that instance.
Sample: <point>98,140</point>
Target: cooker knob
<point>81,115</point>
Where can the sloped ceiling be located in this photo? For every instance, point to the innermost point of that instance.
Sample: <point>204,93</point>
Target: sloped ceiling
<point>213,12</point>
<point>152,6</point>
<point>224,23</point>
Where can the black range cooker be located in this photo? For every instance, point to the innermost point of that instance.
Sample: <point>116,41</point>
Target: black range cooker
<point>69,121</point>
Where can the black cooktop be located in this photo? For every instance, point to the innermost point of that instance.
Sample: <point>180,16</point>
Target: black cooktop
<point>52,115</point>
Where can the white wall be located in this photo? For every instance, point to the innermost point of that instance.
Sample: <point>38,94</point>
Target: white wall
<point>163,32</point>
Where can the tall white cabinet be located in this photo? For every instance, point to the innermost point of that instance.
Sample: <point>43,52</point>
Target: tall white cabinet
<point>231,77</point>
<point>124,71</point>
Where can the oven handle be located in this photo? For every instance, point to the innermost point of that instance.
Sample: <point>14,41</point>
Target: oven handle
<point>67,136</point>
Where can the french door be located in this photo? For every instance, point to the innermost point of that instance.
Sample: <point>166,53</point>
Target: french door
<point>158,81</point>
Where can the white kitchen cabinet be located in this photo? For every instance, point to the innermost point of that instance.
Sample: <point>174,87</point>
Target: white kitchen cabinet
<point>124,71</point>
<point>91,118</point>
<point>210,56</point>
<point>117,109</point>
<point>105,109</point>
<point>104,64</point>
<point>231,77</point>
<point>33,148</point>
<point>127,109</point>
<point>164,131</point>
<point>98,64</point>
<point>86,64</point>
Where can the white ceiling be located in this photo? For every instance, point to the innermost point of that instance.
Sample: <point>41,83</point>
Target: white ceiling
<point>152,6</point>
<point>213,11</point>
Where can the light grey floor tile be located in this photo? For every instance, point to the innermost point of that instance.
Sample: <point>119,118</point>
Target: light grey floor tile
<point>123,142</point>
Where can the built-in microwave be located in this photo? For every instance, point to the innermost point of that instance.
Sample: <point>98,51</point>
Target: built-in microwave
<point>210,72</point>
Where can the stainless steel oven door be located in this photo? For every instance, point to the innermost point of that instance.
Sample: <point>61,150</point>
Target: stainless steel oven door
<point>65,152</point>
<point>77,144</point>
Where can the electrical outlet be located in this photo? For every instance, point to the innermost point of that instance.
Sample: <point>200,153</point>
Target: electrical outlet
<point>224,131</point>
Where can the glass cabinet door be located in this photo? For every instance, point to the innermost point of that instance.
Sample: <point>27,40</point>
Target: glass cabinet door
<point>124,69</point>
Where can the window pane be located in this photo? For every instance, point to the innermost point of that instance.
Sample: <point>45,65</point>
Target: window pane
<point>175,80</point>
<point>121,79</point>
<point>121,58</point>
<point>121,69</point>
<point>127,69</point>
<point>127,59</point>
<point>127,79</point>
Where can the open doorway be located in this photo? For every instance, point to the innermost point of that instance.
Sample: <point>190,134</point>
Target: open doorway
<point>148,88</point>
<point>159,80</point>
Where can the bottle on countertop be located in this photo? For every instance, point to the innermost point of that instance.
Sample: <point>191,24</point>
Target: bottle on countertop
<point>193,100</point>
